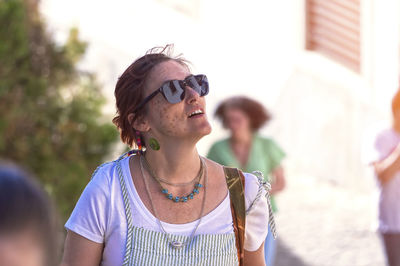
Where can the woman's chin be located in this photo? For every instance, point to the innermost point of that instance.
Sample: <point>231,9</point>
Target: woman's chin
<point>204,131</point>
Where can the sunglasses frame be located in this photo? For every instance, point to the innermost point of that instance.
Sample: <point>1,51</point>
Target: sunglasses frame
<point>183,84</point>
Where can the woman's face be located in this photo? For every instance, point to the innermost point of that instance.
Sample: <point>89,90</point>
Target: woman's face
<point>236,120</point>
<point>175,120</point>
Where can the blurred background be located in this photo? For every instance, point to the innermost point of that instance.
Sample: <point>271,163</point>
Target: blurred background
<point>326,70</point>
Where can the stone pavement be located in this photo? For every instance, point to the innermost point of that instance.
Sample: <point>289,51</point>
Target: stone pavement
<point>322,224</point>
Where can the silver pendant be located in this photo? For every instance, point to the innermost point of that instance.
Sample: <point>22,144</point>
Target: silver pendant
<point>176,244</point>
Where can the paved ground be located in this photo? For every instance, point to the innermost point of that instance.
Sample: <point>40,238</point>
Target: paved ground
<point>320,224</point>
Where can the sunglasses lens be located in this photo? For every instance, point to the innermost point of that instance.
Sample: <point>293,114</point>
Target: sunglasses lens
<point>173,91</point>
<point>202,82</point>
<point>194,84</point>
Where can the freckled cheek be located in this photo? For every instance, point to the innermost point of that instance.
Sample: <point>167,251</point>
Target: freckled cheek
<point>171,124</point>
<point>159,109</point>
<point>168,121</point>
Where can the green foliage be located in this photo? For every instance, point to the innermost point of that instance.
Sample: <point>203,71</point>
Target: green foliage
<point>50,111</point>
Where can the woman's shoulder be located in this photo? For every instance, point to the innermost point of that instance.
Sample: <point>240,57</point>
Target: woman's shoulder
<point>250,180</point>
<point>107,172</point>
<point>269,144</point>
<point>264,139</point>
<point>255,188</point>
<point>214,168</point>
<point>252,185</point>
<point>257,211</point>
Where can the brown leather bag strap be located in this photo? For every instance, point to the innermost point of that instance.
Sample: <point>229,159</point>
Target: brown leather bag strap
<point>235,181</point>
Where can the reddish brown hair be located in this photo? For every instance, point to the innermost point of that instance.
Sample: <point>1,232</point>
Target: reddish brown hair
<point>256,112</point>
<point>129,90</point>
<point>396,102</point>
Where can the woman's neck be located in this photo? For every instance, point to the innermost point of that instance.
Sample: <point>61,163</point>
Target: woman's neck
<point>241,138</point>
<point>240,145</point>
<point>177,163</point>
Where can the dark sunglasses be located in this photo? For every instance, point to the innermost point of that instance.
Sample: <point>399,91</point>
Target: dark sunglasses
<point>174,90</point>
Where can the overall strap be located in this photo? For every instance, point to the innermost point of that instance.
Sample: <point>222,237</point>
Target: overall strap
<point>128,213</point>
<point>235,182</point>
<point>267,187</point>
<point>127,207</point>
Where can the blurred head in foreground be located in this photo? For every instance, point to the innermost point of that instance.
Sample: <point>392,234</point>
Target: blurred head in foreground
<point>27,223</point>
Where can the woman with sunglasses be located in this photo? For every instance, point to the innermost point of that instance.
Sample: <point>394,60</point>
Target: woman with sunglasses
<point>165,205</point>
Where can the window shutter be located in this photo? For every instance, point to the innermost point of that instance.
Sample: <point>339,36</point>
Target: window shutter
<point>333,29</point>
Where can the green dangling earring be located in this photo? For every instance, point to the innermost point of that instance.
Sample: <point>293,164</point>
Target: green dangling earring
<point>154,145</point>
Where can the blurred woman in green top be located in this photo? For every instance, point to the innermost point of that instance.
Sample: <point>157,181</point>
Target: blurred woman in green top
<point>247,150</point>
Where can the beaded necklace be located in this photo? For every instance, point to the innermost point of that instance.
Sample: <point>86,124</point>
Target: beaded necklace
<point>175,243</point>
<point>165,191</point>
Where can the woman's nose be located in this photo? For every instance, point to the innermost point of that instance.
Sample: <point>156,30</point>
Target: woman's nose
<point>191,94</point>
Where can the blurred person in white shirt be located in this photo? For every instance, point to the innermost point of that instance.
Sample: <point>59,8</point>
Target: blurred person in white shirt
<point>385,159</point>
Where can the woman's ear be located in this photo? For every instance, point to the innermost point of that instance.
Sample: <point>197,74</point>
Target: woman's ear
<point>140,123</point>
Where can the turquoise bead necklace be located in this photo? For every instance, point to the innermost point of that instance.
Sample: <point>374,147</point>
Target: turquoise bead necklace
<point>169,195</point>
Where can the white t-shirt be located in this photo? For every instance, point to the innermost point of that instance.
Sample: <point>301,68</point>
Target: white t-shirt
<point>389,194</point>
<point>99,214</point>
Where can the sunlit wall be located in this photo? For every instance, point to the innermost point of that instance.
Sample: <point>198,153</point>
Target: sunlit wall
<point>321,109</point>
